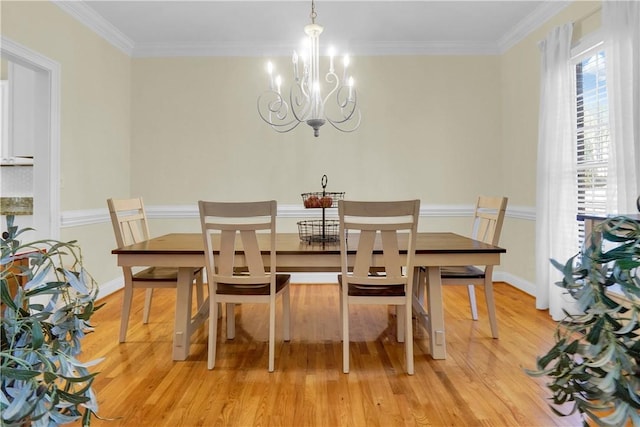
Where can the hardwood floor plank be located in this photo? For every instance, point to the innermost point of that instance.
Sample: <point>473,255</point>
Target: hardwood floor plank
<point>481,383</point>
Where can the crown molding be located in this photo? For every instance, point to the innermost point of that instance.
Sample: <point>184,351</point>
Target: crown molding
<point>95,22</point>
<point>533,21</point>
<point>240,49</point>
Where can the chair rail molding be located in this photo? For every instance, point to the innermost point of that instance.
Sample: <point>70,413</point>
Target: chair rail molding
<point>77,218</point>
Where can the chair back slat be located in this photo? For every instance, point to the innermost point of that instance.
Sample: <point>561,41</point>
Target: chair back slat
<point>230,228</point>
<point>488,219</point>
<point>391,254</point>
<point>377,225</point>
<point>129,221</point>
<point>252,254</point>
<point>364,254</point>
<point>226,255</point>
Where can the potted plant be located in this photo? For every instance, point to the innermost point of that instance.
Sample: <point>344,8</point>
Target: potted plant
<point>594,366</point>
<point>47,303</point>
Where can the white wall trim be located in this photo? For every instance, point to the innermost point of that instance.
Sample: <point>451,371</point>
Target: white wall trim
<point>22,55</point>
<point>150,50</point>
<point>110,287</point>
<point>530,23</point>
<point>77,218</point>
<point>96,23</point>
<point>521,212</point>
<point>515,281</point>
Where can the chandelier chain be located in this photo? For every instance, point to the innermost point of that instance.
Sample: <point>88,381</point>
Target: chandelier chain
<point>313,14</point>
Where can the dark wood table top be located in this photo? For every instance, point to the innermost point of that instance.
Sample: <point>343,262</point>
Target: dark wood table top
<point>290,244</point>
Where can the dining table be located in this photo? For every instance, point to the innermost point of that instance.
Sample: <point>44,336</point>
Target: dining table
<point>185,251</point>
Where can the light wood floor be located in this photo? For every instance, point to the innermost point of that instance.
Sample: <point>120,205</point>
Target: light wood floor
<point>481,383</point>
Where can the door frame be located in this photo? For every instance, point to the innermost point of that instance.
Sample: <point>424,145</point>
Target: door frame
<point>46,178</point>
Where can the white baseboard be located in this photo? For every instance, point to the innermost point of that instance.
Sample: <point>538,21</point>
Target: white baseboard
<point>110,287</point>
<point>515,281</point>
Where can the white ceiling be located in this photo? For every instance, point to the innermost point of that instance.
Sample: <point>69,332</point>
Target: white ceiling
<point>261,28</point>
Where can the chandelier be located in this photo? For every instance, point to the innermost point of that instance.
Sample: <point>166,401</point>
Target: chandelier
<point>306,101</point>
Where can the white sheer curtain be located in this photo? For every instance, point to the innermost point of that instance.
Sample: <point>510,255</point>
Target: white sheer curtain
<point>621,26</point>
<point>556,204</point>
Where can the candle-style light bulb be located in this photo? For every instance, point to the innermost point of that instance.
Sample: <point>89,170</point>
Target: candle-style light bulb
<point>294,59</point>
<point>279,83</point>
<point>345,61</point>
<point>270,71</point>
<point>331,52</point>
<point>351,82</point>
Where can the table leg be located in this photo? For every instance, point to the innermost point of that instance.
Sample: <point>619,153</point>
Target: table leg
<point>182,326</point>
<point>436,314</point>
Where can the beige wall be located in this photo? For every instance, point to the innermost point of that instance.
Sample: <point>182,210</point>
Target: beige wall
<point>175,130</point>
<point>426,122</point>
<point>95,117</point>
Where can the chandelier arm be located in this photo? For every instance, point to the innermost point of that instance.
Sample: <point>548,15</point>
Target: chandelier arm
<point>337,124</point>
<point>274,112</point>
<point>299,100</point>
<point>279,130</point>
<point>331,78</point>
<point>346,115</point>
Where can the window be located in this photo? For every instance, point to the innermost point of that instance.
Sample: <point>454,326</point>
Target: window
<point>592,131</point>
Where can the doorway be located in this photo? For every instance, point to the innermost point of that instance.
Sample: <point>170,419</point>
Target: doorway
<point>45,119</point>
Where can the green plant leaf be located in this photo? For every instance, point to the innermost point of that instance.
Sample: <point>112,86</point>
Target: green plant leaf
<point>594,335</point>
<point>18,374</point>
<point>37,336</point>
<point>72,397</point>
<point>6,296</point>
<point>49,377</point>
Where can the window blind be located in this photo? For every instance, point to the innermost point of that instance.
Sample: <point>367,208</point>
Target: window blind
<point>592,134</point>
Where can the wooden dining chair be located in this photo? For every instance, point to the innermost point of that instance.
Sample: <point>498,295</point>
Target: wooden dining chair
<point>229,228</point>
<point>130,226</point>
<point>487,225</point>
<point>373,225</point>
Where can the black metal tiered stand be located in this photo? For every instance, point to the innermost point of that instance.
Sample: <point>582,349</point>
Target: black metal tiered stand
<point>324,230</point>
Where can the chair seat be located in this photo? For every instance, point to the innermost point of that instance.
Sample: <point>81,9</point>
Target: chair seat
<point>462,272</point>
<point>261,289</point>
<point>373,290</point>
<point>163,274</point>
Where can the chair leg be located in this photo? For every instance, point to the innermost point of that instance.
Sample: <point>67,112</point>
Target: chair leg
<point>419,290</point>
<point>345,335</point>
<point>126,309</point>
<point>286,309</point>
<point>491,306</point>
<point>272,332</point>
<point>231,320</point>
<point>199,288</point>
<point>400,324</point>
<point>213,332</point>
<point>341,309</point>
<point>147,305</point>
<point>471,289</point>
<point>408,339</point>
